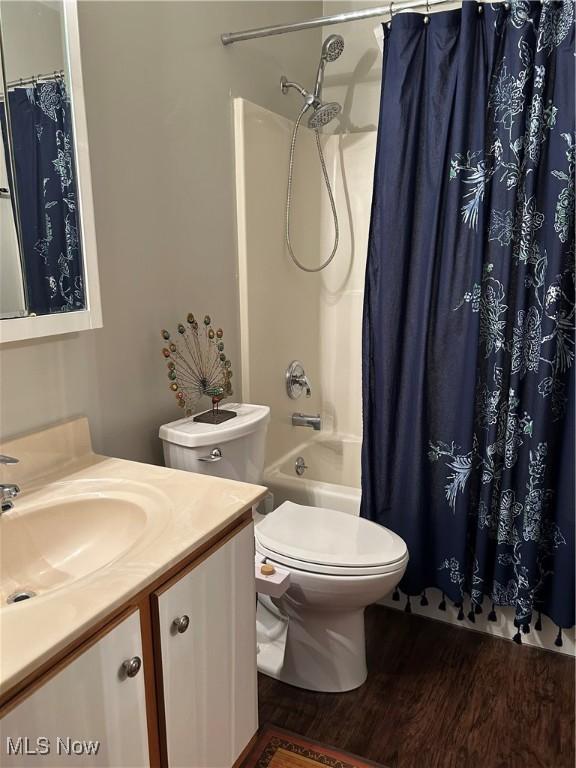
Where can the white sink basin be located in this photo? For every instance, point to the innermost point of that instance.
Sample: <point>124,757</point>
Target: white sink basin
<point>55,539</point>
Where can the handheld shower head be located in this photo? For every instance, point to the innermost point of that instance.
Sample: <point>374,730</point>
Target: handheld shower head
<point>323,113</point>
<point>332,47</point>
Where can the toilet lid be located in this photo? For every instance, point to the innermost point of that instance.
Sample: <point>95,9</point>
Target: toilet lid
<point>328,538</point>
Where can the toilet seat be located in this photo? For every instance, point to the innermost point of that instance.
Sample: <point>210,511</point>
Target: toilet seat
<point>326,541</point>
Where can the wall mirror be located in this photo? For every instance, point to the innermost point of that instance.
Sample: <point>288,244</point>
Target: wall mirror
<point>48,262</point>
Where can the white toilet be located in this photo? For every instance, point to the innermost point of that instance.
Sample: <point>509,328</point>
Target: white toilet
<point>312,636</point>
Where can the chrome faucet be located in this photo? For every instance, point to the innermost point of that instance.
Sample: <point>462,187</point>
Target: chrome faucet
<point>8,491</point>
<point>304,420</point>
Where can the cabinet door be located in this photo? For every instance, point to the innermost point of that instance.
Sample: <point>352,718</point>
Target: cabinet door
<point>89,713</point>
<point>209,669</point>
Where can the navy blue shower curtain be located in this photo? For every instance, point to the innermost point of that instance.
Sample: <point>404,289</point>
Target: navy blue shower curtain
<point>468,331</point>
<point>45,174</point>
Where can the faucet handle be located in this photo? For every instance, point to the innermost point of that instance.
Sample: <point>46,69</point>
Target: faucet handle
<point>8,459</point>
<point>296,380</point>
<point>7,493</point>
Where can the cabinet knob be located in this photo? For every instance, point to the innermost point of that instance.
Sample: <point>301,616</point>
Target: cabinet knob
<point>132,666</point>
<point>181,624</point>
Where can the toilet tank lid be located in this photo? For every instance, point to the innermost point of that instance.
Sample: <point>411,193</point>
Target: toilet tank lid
<point>192,434</point>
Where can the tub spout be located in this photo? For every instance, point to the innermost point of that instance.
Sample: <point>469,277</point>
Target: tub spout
<point>304,420</point>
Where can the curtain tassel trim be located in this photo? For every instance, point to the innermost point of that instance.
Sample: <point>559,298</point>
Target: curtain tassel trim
<point>442,603</point>
<point>538,625</point>
<point>492,615</point>
<point>558,641</point>
<point>460,611</point>
<point>407,607</point>
<point>423,599</point>
<point>396,595</point>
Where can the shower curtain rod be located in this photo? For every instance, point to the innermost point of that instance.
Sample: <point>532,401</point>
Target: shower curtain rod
<point>338,18</point>
<point>34,79</point>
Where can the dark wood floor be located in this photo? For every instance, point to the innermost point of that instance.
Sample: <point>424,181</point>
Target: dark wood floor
<point>438,696</point>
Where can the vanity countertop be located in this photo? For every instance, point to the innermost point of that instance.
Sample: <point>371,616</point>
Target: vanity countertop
<point>181,512</point>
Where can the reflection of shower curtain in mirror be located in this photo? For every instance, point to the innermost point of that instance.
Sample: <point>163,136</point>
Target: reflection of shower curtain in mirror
<point>44,161</point>
<point>11,294</point>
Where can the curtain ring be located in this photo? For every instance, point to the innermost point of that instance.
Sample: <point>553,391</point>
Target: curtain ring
<point>391,12</point>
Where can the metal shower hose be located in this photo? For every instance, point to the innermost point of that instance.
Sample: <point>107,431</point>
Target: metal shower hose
<point>289,198</point>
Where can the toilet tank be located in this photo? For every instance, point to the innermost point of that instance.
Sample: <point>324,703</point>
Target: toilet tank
<point>241,441</point>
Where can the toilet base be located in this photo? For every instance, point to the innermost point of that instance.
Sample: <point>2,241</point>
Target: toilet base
<point>318,651</point>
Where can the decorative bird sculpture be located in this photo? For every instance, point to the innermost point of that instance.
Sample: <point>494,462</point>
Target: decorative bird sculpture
<point>197,367</point>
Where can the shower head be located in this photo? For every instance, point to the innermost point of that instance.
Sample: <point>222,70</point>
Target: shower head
<point>323,114</point>
<point>332,47</point>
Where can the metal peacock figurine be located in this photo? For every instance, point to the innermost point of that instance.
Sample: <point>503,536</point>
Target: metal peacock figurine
<point>198,366</point>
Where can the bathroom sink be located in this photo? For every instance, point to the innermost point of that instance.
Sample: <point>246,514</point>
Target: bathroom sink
<point>49,542</point>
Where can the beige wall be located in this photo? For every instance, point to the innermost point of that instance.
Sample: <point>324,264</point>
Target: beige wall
<point>32,38</point>
<point>158,98</point>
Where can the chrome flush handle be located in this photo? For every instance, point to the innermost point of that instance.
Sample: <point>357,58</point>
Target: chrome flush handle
<point>214,455</point>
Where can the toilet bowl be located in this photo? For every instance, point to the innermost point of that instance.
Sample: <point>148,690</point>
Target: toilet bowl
<point>338,565</point>
<point>312,636</point>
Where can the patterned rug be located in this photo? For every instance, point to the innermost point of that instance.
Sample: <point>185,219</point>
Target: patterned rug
<point>276,748</point>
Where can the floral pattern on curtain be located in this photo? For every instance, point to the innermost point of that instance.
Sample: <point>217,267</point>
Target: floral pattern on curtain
<point>469,313</point>
<point>44,166</point>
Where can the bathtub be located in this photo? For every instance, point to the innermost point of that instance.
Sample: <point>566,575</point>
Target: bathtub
<point>331,480</point>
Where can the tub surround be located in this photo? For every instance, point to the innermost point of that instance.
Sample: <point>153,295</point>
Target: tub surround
<point>183,513</point>
<point>325,309</point>
<point>331,478</point>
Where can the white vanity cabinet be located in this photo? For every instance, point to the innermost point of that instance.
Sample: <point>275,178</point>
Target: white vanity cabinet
<point>206,624</point>
<point>168,681</point>
<point>90,712</point>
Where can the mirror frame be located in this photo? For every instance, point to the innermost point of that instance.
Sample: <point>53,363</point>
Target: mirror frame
<point>37,326</point>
